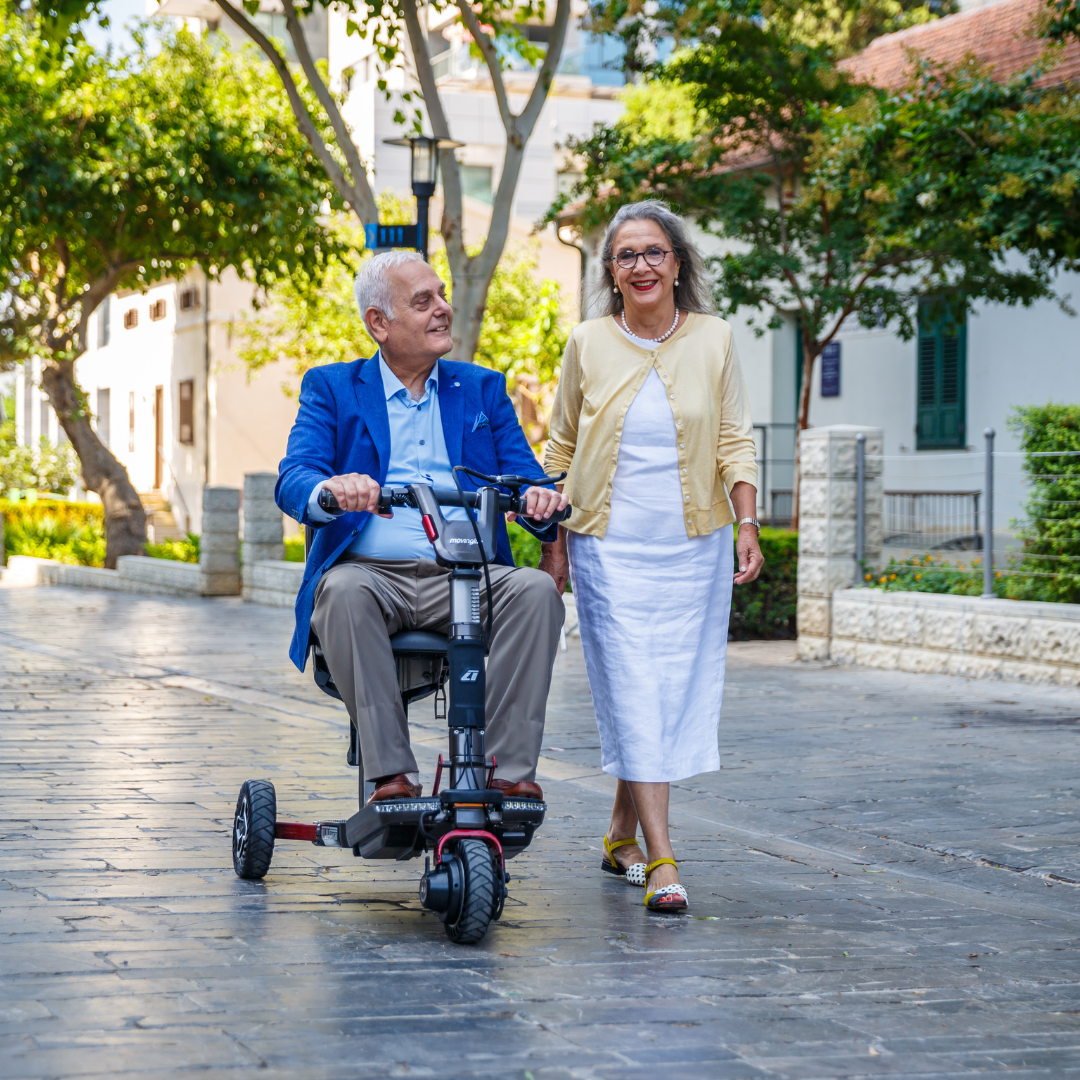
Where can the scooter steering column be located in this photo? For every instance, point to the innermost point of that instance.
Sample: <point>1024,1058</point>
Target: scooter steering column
<point>465,653</point>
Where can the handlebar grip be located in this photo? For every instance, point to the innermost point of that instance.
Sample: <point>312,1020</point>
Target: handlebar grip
<point>328,503</point>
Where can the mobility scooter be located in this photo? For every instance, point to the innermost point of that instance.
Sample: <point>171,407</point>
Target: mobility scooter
<point>471,828</point>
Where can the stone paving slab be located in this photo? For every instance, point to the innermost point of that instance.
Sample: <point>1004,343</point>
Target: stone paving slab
<point>882,876</point>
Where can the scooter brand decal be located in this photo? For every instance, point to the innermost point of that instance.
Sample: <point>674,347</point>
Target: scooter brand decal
<point>461,540</point>
<point>470,676</point>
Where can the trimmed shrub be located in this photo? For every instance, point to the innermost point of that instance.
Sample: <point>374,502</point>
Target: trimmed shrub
<point>69,532</point>
<point>766,608</point>
<point>186,550</point>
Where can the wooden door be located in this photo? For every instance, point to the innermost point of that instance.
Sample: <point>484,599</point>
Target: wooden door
<point>159,433</point>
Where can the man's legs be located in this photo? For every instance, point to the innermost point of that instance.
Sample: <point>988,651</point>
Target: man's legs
<point>528,615</point>
<point>356,610</point>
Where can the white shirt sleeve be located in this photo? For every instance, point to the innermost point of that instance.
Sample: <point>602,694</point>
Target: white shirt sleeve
<point>314,511</point>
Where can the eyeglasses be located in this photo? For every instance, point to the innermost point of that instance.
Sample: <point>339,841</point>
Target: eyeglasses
<point>654,256</point>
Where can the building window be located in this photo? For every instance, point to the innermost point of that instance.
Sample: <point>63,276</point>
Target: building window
<point>103,416</point>
<point>157,310</point>
<point>476,182</point>
<point>189,299</point>
<point>103,315</point>
<point>187,412</point>
<point>942,383</point>
<point>131,422</point>
<point>131,318</point>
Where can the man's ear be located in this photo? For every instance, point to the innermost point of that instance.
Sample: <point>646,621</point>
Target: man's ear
<point>378,325</point>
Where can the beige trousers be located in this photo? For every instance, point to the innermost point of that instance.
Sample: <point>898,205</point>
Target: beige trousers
<point>360,602</point>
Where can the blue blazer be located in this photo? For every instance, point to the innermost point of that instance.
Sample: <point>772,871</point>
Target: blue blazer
<point>343,427</point>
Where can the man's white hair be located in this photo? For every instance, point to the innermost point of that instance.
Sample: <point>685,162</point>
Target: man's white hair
<point>372,287</point>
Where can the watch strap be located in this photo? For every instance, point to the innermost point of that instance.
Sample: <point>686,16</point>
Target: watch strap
<point>749,521</point>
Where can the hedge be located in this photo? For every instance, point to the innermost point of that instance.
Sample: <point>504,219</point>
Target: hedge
<point>69,532</point>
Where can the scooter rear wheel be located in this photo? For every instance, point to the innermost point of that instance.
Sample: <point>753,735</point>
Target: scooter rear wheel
<point>253,829</point>
<point>478,901</point>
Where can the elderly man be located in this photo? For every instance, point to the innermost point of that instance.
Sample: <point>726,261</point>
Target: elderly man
<point>406,416</point>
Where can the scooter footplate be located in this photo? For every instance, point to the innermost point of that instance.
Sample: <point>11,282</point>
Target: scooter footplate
<point>390,829</point>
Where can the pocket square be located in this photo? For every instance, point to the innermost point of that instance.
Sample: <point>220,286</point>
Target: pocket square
<point>480,421</point>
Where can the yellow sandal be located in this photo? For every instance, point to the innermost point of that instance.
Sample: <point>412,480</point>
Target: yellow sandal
<point>670,898</point>
<point>635,873</point>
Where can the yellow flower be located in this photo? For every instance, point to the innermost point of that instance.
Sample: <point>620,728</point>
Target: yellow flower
<point>883,579</point>
<point>918,577</point>
<point>975,562</point>
<point>869,577</point>
<point>999,573</point>
<point>892,577</point>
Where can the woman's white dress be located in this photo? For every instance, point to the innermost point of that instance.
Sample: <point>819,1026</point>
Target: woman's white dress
<point>653,609</point>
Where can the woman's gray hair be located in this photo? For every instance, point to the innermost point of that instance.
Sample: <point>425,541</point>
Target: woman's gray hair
<point>372,287</point>
<point>692,292</point>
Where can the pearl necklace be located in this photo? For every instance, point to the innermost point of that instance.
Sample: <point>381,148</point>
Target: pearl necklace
<point>662,337</point>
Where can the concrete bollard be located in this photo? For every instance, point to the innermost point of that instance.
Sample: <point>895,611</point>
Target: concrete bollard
<point>263,532</point>
<point>219,544</point>
<point>827,504</point>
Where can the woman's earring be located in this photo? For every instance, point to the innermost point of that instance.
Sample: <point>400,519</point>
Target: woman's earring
<point>616,289</point>
<point>676,281</point>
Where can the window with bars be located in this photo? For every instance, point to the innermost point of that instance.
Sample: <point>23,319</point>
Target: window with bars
<point>189,299</point>
<point>157,310</point>
<point>942,384</point>
<point>187,412</point>
<point>131,318</point>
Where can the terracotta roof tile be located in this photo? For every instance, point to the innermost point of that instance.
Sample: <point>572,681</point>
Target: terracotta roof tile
<point>1000,35</point>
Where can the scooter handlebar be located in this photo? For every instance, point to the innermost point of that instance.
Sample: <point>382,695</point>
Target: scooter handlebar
<point>389,497</point>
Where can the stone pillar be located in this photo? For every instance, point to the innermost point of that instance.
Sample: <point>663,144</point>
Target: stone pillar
<point>264,536</point>
<point>827,525</point>
<point>219,544</point>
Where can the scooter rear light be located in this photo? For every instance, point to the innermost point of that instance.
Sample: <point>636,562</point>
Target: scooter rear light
<point>429,528</point>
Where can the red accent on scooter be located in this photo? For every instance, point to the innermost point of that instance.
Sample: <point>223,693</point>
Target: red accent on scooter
<point>293,830</point>
<point>478,834</point>
<point>429,528</point>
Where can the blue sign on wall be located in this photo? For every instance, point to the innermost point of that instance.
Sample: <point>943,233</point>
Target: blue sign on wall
<point>830,370</point>
<point>391,236</point>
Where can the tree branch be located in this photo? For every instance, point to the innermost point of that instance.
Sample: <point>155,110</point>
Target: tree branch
<point>531,113</point>
<point>345,189</point>
<point>491,59</point>
<point>366,206</point>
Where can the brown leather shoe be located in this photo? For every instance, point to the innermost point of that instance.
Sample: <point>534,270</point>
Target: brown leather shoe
<point>523,789</point>
<point>395,787</point>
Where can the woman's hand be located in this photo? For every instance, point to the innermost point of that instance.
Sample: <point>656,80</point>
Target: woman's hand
<point>749,553</point>
<point>554,561</point>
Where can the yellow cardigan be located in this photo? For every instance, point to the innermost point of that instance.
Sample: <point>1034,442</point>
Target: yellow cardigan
<point>602,372</point>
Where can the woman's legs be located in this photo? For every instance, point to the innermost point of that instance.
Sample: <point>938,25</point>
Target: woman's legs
<point>648,804</point>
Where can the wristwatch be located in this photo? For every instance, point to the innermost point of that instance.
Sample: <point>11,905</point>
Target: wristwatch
<point>749,521</point>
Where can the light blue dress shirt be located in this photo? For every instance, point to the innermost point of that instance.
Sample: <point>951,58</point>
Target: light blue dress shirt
<point>417,456</point>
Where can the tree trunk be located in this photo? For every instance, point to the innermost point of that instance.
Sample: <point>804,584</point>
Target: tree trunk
<point>125,519</point>
<point>468,302</point>
<point>802,421</point>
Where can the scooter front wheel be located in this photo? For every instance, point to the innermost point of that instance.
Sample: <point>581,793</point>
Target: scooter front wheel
<point>478,899</point>
<point>253,829</point>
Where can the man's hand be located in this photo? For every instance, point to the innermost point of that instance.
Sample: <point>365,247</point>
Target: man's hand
<point>355,491</point>
<point>749,554</point>
<point>554,562</point>
<point>541,503</point>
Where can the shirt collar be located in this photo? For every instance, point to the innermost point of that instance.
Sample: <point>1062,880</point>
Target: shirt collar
<point>392,385</point>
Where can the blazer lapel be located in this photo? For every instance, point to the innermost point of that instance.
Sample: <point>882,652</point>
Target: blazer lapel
<point>452,410</point>
<point>371,397</point>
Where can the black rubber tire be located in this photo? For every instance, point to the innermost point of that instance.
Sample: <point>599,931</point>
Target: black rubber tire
<point>253,829</point>
<point>478,901</point>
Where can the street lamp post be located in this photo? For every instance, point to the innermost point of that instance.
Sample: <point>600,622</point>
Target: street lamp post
<point>423,169</point>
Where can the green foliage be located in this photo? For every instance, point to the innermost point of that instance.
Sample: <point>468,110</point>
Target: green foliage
<point>766,608</point>
<point>1050,439</point>
<point>661,109</point>
<point>935,574</point>
<point>525,546</point>
<point>842,27</point>
<point>186,550</point>
<point>47,467</point>
<point>120,172</point>
<point>70,532</point>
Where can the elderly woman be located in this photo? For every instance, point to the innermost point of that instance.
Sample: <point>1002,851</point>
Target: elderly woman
<point>651,423</point>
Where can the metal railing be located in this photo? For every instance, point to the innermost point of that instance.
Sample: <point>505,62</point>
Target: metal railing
<point>934,520</point>
<point>776,470</point>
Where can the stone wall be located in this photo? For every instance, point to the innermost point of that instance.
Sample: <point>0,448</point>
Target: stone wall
<point>957,635</point>
<point>219,542</point>
<point>827,504</point>
<point>263,535</point>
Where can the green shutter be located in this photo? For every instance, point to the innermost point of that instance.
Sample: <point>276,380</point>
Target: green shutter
<point>942,380</point>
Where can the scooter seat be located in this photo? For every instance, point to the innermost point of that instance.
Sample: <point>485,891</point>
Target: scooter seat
<point>418,641</point>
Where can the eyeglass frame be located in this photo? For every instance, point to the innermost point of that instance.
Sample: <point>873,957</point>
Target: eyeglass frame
<point>641,255</point>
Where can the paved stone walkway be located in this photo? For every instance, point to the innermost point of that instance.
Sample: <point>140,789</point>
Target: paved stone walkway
<point>884,877</point>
